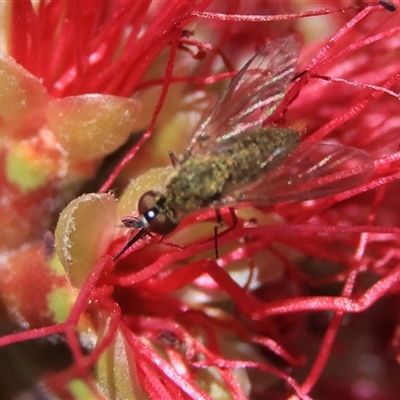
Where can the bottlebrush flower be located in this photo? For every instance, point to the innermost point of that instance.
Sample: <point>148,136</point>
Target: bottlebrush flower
<point>296,306</point>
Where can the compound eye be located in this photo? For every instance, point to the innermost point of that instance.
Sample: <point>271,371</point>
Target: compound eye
<point>147,202</point>
<point>158,221</point>
<point>161,224</point>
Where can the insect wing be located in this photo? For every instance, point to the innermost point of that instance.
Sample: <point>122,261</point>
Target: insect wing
<point>312,171</point>
<point>259,85</point>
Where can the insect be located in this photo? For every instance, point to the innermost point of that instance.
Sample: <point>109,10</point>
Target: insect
<point>232,160</point>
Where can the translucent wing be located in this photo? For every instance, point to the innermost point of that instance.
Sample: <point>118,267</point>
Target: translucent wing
<point>312,171</point>
<point>259,85</point>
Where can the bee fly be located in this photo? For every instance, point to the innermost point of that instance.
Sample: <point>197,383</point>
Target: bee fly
<point>232,160</point>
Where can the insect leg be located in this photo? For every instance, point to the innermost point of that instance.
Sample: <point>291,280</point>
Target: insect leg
<point>388,6</point>
<point>174,159</point>
<point>220,223</point>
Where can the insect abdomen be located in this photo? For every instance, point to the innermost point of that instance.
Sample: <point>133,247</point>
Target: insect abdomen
<point>259,152</point>
<point>204,178</point>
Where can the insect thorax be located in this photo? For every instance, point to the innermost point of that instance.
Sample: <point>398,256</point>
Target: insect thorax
<point>204,178</point>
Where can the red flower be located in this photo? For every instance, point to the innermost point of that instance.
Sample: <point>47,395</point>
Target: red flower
<point>298,298</point>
